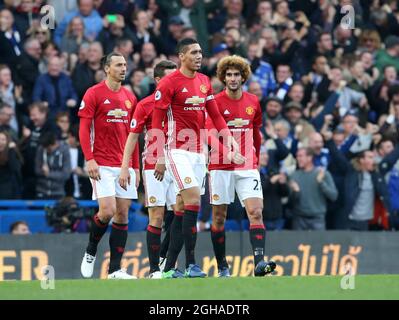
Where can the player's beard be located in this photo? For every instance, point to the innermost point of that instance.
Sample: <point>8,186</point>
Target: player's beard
<point>234,89</point>
<point>121,78</point>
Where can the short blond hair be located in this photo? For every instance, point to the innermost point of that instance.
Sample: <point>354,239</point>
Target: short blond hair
<point>233,62</point>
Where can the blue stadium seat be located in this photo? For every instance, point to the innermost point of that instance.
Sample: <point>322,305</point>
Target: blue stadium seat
<point>36,220</point>
<point>234,225</point>
<point>32,211</point>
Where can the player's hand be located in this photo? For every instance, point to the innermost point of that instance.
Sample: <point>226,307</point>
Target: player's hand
<point>232,144</point>
<point>160,168</point>
<point>124,178</point>
<point>236,157</point>
<point>92,169</point>
<point>137,177</point>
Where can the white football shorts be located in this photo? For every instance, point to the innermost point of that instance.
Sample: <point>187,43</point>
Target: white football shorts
<point>187,168</point>
<point>224,183</point>
<point>108,185</point>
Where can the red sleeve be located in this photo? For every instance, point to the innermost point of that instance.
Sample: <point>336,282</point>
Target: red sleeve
<point>139,119</point>
<point>136,152</point>
<point>257,142</point>
<point>164,94</point>
<point>88,105</point>
<point>258,121</point>
<point>212,139</point>
<point>84,137</point>
<point>213,111</point>
<point>163,99</point>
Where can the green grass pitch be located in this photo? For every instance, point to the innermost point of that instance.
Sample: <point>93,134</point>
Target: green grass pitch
<point>267,288</point>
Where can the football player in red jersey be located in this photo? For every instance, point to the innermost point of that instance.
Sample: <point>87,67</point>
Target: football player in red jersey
<point>105,114</point>
<point>181,102</point>
<point>157,193</point>
<point>242,113</point>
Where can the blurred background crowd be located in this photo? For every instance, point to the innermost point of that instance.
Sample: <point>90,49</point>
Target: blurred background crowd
<point>329,95</point>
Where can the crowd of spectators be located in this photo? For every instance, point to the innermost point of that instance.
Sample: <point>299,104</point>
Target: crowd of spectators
<point>329,95</point>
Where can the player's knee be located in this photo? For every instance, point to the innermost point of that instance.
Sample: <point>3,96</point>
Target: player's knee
<point>219,219</point>
<point>255,213</point>
<point>107,212</point>
<point>156,217</point>
<point>121,217</point>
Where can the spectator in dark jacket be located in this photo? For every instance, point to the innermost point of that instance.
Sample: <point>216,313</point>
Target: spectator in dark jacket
<point>364,185</point>
<point>10,39</point>
<point>10,169</point>
<point>274,187</point>
<point>52,167</point>
<point>26,69</point>
<point>30,141</point>
<point>55,88</point>
<point>83,77</point>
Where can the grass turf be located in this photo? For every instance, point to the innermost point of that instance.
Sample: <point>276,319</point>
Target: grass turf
<point>267,288</point>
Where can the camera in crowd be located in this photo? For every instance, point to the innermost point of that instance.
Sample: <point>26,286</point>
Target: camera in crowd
<point>68,216</point>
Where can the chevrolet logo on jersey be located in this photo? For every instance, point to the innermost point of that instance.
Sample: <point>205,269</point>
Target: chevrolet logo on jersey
<point>238,123</point>
<point>117,113</point>
<point>195,100</point>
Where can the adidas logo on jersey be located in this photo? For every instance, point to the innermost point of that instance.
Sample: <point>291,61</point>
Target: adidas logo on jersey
<point>226,112</point>
<point>107,101</point>
<point>184,90</point>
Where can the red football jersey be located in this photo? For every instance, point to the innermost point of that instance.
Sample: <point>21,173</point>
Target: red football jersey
<point>111,113</point>
<point>242,117</point>
<point>142,121</point>
<point>186,101</point>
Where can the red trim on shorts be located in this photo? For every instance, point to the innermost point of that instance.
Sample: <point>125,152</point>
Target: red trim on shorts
<point>216,230</point>
<point>154,230</point>
<point>174,170</point>
<point>192,207</point>
<point>179,213</point>
<point>119,227</point>
<point>256,226</point>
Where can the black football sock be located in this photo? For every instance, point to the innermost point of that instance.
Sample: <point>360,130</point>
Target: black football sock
<point>117,242</point>
<point>190,232</point>
<point>97,230</point>
<point>176,241</point>
<point>153,245</point>
<point>167,224</point>
<point>257,234</point>
<point>219,246</point>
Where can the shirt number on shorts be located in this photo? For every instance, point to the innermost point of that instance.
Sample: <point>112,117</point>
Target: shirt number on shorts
<point>256,185</point>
